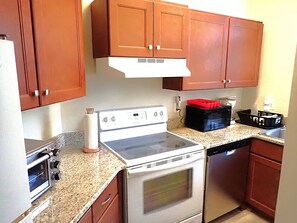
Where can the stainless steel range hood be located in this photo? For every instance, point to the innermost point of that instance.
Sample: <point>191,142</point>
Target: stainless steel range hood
<point>148,67</point>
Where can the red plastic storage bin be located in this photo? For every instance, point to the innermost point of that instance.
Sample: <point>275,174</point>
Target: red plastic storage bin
<point>204,103</point>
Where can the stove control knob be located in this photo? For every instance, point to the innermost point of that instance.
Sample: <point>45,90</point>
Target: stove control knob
<point>112,118</point>
<point>105,120</point>
<point>55,164</point>
<point>161,113</point>
<point>56,176</point>
<point>155,114</point>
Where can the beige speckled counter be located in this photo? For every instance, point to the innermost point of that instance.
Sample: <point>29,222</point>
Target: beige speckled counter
<point>84,177</point>
<point>223,136</point>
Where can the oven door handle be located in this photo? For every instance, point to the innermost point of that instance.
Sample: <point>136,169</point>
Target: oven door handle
<point>39,160</point>
<point>144,169</point>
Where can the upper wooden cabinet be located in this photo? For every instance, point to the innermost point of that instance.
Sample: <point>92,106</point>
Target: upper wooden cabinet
<point>244,51</point>
<point>49,49</point>
<point>139,29</point>
<point>18,27</point>
<point>223,52</point>
<point>59,49</point>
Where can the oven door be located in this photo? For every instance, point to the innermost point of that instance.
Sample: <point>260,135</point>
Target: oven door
<point>169,190</point>
<point>38,174</point>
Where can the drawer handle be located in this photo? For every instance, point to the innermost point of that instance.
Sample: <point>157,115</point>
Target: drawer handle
<point>106,201</point>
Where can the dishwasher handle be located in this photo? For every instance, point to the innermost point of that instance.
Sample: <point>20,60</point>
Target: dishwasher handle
<point>169,165</point>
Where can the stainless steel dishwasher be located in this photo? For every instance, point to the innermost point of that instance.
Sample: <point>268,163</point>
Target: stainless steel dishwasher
<point>226,178</point>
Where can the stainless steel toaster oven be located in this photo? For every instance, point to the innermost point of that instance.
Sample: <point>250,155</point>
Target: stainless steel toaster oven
<point>43,166</point>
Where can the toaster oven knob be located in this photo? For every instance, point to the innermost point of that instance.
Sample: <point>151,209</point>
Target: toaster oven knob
<point>56,152</point>
<point>55,164</point>
<point>56,176</point>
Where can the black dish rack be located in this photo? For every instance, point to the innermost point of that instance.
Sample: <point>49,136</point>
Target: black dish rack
<point>266,120</point>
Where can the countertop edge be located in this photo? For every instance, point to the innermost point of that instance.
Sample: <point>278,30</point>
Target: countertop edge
<point>95,196</point>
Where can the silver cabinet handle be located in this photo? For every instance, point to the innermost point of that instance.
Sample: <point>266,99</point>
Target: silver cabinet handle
<point>46,92</point>
<point>229,81</point>
<point>3,36</point>
<point>39,160</point>
<point>224,81</point>
<point>35,93</point>
<point>106,201</point>
<point>158,47</point>
<point>150,47</point>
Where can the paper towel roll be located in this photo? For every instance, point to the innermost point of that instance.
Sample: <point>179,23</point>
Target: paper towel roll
<point>91,131</point>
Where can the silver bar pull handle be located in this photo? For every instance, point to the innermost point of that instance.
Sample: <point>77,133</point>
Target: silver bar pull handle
<point>46,92</point>
<point>106,201</point>
<point>40,160</point>
<point>143,170</point>
<point>3,36</point>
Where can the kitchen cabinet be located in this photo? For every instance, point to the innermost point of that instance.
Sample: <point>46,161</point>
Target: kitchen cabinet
<point>244,51</point>
<point>49,49</point>
<point>264,176</point>
<point>18,28</point>
<point>87,217</point>
<point>223,52</point>
<point>139,29</point>
<point>108,206</point>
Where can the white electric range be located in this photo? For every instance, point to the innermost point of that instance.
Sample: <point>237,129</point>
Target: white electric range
<point>164,178</point>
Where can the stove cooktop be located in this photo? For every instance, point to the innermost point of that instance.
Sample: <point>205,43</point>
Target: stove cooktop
<point>137,150</point>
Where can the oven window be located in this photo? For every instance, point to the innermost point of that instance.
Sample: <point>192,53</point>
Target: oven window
<point>167,190</point>
<point>37,175</point>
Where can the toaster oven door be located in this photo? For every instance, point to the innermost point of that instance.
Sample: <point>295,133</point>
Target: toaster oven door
<point>39,176</point>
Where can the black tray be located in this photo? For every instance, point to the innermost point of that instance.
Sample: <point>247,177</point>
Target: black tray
<point>245,117</point>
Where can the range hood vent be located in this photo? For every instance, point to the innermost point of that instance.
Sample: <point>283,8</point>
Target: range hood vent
<point>148,67</point>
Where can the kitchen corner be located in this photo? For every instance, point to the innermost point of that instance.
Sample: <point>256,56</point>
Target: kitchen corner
<point>84,177</point>
<point>229,134</point>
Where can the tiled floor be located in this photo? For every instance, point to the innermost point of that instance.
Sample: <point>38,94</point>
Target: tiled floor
<point>237,216</point>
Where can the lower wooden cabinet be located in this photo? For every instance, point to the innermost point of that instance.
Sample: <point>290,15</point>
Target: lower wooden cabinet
<point>264,176</point>
<point>112,214</point>
<point>108,206</point>
<point>87,218</point>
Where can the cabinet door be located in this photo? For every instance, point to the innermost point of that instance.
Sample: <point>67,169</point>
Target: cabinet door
<point>207,51</point>
<point>17,25</point>
<point>104,200</point>
<point>263,182</point>
<point>87,218</point>
<point>59,49</point>
<point>112,214</point>
<point>171,26</point>
<point>244,49</point>
<point>131,28</point>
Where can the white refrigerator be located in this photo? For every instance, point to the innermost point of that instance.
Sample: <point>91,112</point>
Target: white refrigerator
<point>14,185</point>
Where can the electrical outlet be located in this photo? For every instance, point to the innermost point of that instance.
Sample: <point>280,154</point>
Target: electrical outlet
<point>177,104</point>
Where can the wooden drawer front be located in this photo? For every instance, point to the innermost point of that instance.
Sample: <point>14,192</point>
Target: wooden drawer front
<point>111,215</point>
<point>104,200</point>
<point>87,218</point>
<point>268,150</point>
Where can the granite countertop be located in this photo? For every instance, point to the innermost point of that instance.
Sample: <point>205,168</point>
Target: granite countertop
<point>84,176</point>
<point>230,134</point>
